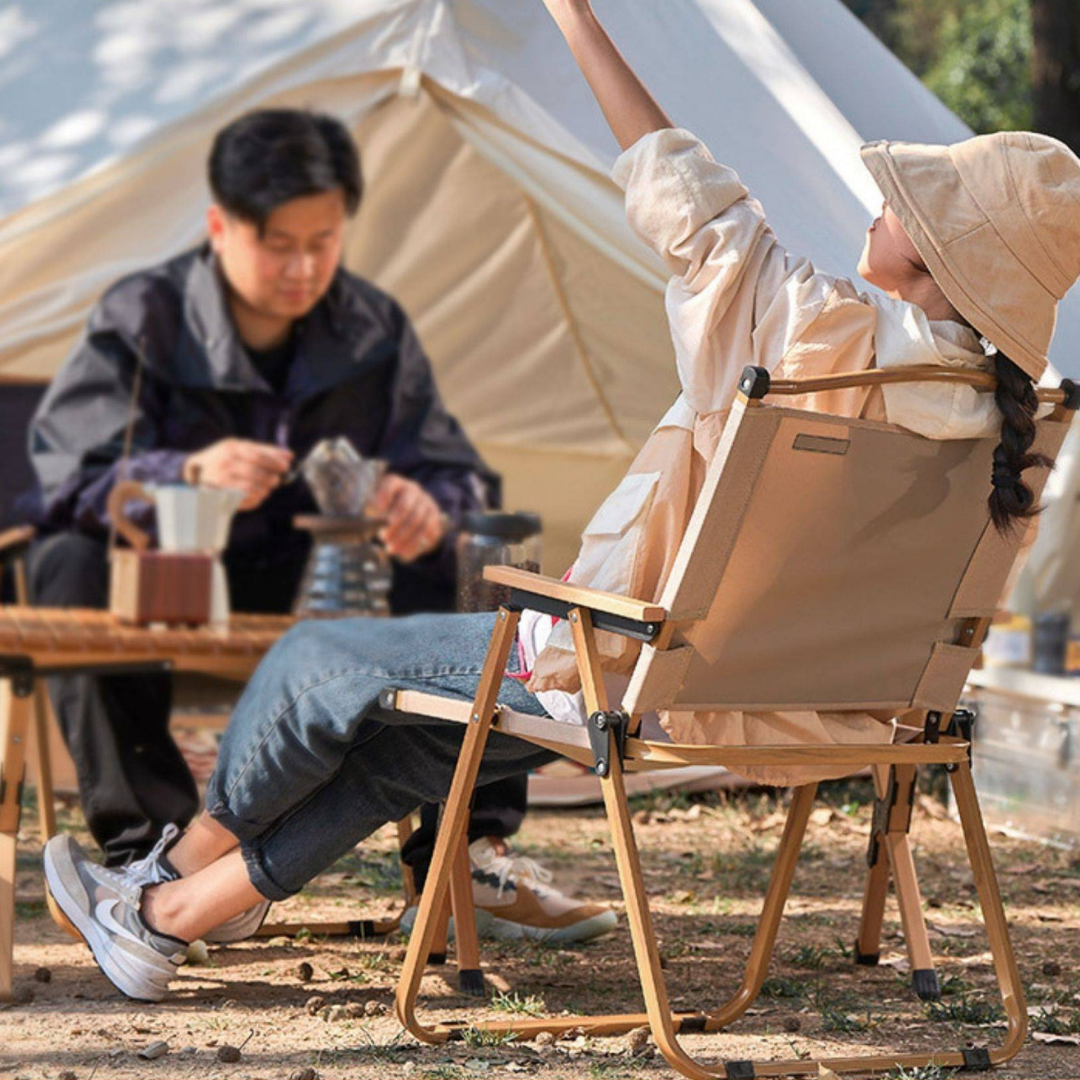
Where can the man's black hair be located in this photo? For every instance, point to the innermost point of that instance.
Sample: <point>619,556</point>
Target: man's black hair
<point>268,157</point>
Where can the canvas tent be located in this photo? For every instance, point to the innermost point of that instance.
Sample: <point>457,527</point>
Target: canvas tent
<point>489,212</point>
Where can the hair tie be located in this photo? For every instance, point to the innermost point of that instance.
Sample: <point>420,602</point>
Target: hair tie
<point>1003,476</point>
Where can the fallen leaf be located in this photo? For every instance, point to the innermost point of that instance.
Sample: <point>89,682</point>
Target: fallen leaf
<point>821,816</point>
<point>951,931</point>
<point>1061,1040</point>
<point>826,1074</point>
<point>1023,868</point>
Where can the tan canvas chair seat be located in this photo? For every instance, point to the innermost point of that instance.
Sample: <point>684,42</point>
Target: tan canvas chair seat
<point>835,574</point>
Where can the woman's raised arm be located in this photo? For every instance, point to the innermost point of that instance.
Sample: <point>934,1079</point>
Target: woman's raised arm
<point>628,107</point>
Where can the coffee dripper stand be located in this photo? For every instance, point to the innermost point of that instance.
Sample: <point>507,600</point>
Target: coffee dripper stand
<point>347,572</point>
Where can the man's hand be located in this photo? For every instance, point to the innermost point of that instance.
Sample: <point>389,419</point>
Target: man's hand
<point>254,468</point>
<point>414,523</point>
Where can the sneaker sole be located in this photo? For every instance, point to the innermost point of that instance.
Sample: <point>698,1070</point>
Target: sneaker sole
<point>95,938</point>
<point>492,928</point>
<point>574,934</point>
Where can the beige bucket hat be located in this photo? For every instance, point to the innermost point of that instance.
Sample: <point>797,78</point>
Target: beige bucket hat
<point>996,219</point>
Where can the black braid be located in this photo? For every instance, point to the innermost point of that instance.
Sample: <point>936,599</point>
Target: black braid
<point>1012,499</point>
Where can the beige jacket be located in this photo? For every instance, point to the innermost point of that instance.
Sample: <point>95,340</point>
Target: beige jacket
<point>737,297</point>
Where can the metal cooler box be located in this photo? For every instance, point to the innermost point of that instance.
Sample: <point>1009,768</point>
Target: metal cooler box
<point>1027,752</point>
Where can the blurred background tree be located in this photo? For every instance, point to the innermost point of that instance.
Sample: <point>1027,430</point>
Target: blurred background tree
<point>998,64</point>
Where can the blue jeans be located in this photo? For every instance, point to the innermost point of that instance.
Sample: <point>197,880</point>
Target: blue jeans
<point>310,764</point>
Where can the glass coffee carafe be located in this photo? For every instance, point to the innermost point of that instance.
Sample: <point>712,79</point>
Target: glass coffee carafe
<point>348,571</point>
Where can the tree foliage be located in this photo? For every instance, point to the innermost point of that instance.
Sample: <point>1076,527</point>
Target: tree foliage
<point>974,54</point>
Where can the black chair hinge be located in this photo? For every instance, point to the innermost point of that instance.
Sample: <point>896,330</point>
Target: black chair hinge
<point>20,671</point>
<point>977,1057</point>
<point>739,1070</point>
<point>604,729</point>
<point>932,727</point>
<point>961,725</point>
<point>883,808</point>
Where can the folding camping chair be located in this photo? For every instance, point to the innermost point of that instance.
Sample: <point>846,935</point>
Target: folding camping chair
<point>830,564</point>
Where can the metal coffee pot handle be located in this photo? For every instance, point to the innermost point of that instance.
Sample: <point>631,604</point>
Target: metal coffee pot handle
<point>121,494</point>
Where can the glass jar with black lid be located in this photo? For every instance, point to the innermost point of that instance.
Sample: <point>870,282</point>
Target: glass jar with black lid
<point>493,538</point>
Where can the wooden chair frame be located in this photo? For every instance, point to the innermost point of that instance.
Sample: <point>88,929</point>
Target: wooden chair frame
<point>611,743</point>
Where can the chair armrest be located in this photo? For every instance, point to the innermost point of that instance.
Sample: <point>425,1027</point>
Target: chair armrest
<point>562,596</point>
<point>15,542</point>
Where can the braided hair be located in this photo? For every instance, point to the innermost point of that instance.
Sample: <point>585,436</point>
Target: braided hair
<point>1011,499</point>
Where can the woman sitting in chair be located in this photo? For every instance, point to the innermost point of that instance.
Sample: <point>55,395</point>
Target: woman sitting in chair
<point>975,244</point>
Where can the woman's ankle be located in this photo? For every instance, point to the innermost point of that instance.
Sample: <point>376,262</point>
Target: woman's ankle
<point>202,843</point>
<point>161,913</point>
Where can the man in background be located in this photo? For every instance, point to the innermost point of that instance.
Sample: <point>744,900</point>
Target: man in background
<point>228,364</point>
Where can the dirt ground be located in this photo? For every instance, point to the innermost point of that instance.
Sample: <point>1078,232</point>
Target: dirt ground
<point>707,862</point>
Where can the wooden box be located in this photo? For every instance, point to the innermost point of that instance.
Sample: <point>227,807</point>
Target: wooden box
<point>160,587</point>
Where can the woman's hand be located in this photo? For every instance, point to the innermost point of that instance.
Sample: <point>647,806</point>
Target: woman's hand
<point>628,107</point>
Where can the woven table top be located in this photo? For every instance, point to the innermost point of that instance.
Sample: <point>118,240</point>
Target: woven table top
<point>61,635</point>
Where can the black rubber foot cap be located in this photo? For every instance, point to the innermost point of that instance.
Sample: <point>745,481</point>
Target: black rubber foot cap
<point>471,982</point>
<point>925,984</point>
<point>436,958</point>
<point>865,959</point>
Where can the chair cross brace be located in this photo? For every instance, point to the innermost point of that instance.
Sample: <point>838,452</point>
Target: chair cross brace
<point>883,807</point>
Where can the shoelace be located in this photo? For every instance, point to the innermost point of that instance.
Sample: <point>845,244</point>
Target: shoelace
<point>147,871</point>
<point>518,867</point>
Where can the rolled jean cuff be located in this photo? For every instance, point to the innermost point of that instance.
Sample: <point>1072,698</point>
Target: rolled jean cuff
<point>260,877</point>
<point>241,829</point>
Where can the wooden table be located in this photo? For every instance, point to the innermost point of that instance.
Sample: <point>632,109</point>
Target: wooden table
<point>36,642</point>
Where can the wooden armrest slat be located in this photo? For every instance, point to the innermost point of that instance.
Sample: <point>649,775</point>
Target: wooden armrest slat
<point>624,606</point>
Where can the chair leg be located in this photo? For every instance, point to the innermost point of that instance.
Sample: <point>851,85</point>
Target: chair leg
<point>772,910</point>
<point>890,853</point>
<point>466,939</point>
<point>924,978</point>
<point>868,941</point>
<point>408,878</point>
<point>43,759</point>
<point>997,927</point>
<point>15,706</point>
<point>453,829</point>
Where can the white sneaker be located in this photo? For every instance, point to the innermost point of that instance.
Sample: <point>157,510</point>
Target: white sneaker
<point>514,899</point>
<point>104,907</point>
<point>153,870</point>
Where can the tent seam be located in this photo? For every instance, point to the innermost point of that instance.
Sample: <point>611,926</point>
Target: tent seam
<point>571,322</point>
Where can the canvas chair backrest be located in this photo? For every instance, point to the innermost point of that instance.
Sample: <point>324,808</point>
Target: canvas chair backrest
<point>830,564</point>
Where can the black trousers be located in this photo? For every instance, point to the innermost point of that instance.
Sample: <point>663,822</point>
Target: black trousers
<point>133,780</point>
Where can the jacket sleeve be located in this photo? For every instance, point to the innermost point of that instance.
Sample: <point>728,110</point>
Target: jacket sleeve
<point>77,436</point>
<point>423,442</point>
<point>735,296</point>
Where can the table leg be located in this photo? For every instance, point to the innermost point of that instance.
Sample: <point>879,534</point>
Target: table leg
<point>15,703</point>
